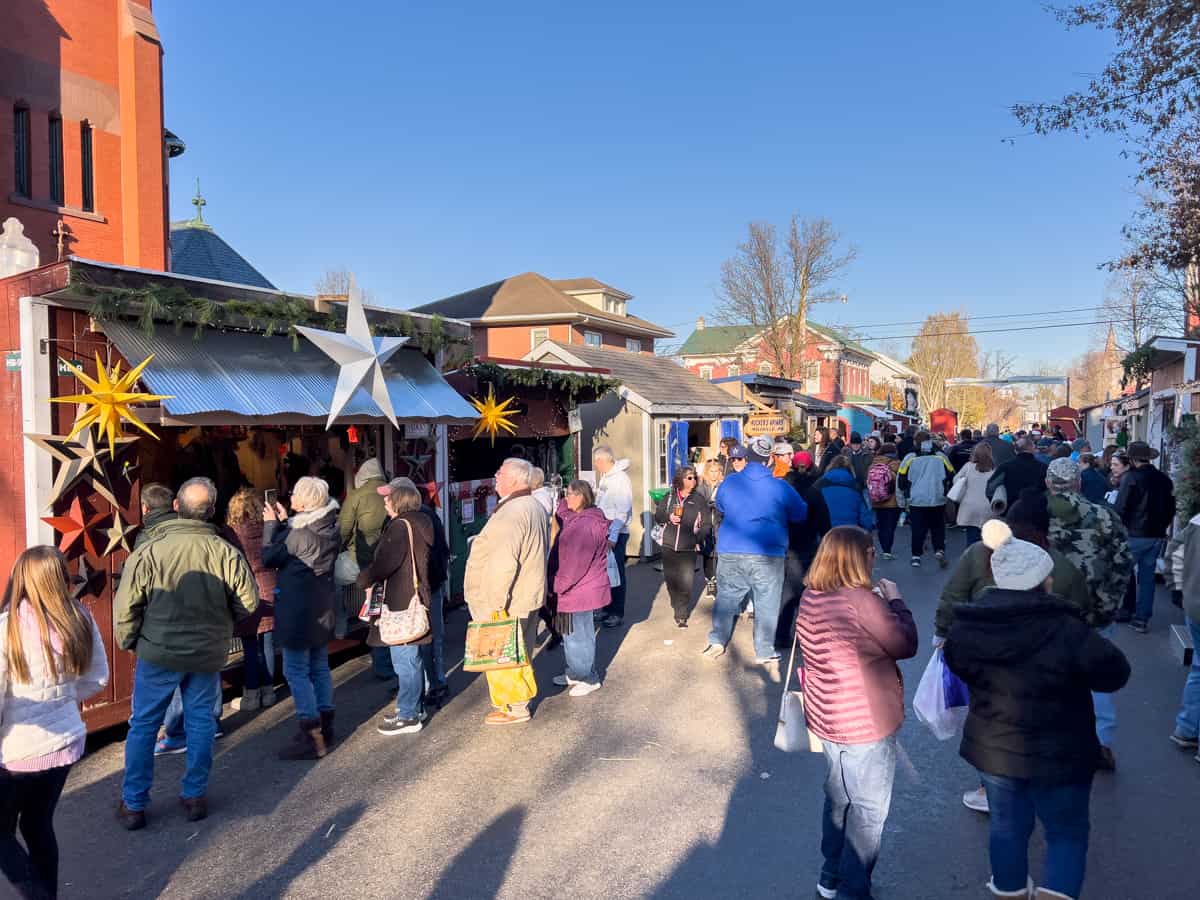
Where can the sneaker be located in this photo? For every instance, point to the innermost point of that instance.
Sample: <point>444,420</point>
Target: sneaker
<point>250,700</point>
<point>713,652</point>
<point>976,800</point>
<point>826,893</point>
<point>1139,626</point>
<point>612,621</point>
<point>710,587</point>
<point>563,680</point>
<point>167,747</point>
<point>220,732</point>
<point>681,623</point>
<point>393,724</point>
<point>503,717</point>
<point>940,556</point>
<point>583,688</point>
<point>266,696</point>
<point>916,562</point>
<point>1184,743</point>
<point>888,556</point>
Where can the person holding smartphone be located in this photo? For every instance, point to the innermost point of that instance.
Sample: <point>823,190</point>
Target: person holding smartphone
<point>852,632</point>
<point>686,515</point>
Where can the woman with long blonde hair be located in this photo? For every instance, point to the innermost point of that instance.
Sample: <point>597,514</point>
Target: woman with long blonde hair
<point>851,632</point>
<point>710,482</point>
<point>51,660</point>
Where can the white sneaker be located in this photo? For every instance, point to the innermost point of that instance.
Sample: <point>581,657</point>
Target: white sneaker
<point>583,688</point>
<point>713,652</point>
<point>976,800</point>
<point>827,893</point>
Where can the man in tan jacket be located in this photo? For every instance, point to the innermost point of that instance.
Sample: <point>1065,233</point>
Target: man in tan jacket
<point>506,569</point>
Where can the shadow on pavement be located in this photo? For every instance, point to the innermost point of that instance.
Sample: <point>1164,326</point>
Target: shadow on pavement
<point>480,868</point>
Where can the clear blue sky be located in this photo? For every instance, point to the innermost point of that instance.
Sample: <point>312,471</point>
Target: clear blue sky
<point>432,150</point>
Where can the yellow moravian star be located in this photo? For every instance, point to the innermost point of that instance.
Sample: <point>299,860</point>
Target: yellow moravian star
<point>494,416</point>
<point>109,401</point>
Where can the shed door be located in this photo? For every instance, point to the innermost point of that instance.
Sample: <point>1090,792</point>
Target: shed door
<point>677,447</point>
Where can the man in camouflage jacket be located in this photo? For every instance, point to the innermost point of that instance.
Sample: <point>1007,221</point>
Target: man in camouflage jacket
<point>1092,537</point>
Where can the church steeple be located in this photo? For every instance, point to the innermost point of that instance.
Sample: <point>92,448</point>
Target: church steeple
<point>1110,345</point>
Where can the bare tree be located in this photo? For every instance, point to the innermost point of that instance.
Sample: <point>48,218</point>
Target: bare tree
<point>771,284</point>
<point>943,349</point>
<point>1140,303</point>
<point>336,283</point>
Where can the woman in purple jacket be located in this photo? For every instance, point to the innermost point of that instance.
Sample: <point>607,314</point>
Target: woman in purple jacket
<point>579,572</point>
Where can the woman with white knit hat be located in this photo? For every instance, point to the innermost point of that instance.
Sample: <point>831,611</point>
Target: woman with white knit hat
<point>1030,663</point>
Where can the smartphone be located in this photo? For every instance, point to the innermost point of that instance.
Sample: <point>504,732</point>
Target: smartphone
<point>269,496</point>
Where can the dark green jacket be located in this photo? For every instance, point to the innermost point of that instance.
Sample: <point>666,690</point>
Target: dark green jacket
<point>972,576</point>
<point>361,520</point>
<point>180,595</point>
<point>150,522</point>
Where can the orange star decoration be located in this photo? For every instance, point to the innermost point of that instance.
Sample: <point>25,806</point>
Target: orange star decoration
<point>108,403</point>
<point>493,416</point>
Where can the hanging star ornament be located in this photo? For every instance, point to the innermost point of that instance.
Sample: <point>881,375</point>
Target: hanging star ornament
<point>359,356</point>
<point>109,401</point>
<point>493,417</point>
<point>82,460</point>
<point>75,527</point>
<point>117,534</point>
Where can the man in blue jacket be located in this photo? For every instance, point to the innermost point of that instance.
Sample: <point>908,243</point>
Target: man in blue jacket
<point>752,549</point>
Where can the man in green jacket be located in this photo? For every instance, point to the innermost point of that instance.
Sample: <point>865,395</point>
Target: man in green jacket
<point>178,599</point>
<point>361,523</point>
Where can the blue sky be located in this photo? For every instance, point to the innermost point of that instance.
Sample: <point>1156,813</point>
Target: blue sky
<point>433,148</point>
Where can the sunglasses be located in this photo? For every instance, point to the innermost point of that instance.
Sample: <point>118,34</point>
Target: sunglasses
<point>689,477</point>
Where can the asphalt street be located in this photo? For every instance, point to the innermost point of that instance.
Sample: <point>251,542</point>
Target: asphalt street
<point>664,784</point>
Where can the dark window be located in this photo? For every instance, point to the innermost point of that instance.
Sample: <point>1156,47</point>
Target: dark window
<point>56,160</point>
<point>23,176</point>
<point>85,162</point>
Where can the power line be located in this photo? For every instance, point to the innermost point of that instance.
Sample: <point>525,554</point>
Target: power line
<point>972,318</point>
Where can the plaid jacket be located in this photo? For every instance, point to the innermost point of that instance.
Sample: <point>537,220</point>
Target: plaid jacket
<point>1093,538</point>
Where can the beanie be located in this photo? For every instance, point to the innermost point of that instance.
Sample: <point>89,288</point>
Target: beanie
<point>1016,565</point>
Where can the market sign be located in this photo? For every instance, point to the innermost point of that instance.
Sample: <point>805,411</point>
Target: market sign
<point>769,424</point>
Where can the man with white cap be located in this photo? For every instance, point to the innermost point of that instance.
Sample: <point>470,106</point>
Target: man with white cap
<point>1030,662</point>
<point>752,549</point>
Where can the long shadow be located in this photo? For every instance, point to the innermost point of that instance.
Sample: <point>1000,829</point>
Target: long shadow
<point>323,839</point>
<point>480,868</point>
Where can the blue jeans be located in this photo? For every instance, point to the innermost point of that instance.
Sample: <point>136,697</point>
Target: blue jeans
<point>309,680</point>
<point>1105,705</point>
<point>1145,553</point>
<point>742,575</point>
<point>153,688</point>
<point>1063,809</point>
<point>579,648</point>
<point>432,654</point>
<point>974,535</point>
<point>173,727</point>
<point>406,662</point>
<point>858,795</point>
<point>1188,721</point>
<point>617,605</point>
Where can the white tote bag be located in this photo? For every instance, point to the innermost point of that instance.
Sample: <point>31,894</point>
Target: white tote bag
<point>614,574</point>
<point>792,734</point>
<point>929,703</point>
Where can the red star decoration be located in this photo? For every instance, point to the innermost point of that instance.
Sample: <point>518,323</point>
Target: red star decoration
<point>74,527</point>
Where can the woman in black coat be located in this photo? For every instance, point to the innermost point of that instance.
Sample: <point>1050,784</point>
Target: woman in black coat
<point>401,569</point>
<point>303,550</point>
<point>685,516</point>
<point>1030,664</point>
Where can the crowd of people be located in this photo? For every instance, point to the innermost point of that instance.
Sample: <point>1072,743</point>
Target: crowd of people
<point>1061,545</point>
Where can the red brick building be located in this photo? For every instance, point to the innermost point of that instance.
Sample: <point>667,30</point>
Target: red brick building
<point>512,317</point>
<point>837,369</point>
<point>81,129</point>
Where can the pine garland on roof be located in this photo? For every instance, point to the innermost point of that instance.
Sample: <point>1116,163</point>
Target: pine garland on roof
<point>572,384</point>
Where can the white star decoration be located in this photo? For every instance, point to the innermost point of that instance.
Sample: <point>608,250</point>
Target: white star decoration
<point>360,357</point>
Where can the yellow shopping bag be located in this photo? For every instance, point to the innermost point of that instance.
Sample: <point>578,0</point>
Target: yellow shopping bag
<point>511,686</point>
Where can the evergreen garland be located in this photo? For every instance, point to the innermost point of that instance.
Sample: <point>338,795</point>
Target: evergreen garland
<point>572,384</point>
<point>1187,470</point>
<point>1137,365</point>
<point>151,304</point>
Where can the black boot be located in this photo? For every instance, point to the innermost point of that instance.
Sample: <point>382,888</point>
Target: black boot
<point>327,727</point>
<point>308,742</point>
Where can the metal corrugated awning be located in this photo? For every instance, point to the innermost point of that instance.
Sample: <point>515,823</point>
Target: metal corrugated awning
<point>236,377</point>
<point>873,411</point>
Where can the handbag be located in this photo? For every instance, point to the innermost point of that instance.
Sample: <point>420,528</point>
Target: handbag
<point>405,625</point>
<point>614,573</point>
<point>958,491</point>
<point>656,534</point>
<point>792,734</point>
<point>345,569</point>
<point>496,644</point>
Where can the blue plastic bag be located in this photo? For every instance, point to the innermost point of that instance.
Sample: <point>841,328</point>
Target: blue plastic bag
<point>954,691</point>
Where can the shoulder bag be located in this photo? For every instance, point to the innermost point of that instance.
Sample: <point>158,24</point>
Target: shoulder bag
<point>406,625</point>
<point>791,732</point>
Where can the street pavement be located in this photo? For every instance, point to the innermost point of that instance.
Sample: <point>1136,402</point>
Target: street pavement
<point>664,784</point>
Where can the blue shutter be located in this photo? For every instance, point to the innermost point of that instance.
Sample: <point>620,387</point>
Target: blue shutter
<point>677,447</point>
<point>731,428</point>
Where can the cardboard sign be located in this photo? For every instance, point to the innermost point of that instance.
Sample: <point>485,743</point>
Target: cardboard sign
<point>769,424</point>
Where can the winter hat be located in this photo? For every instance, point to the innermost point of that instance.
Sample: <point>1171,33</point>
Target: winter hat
<point>1141,451</point>
<point>782,448</point>
<point>1016,565</point>
<point>758,448</point>
<point>1062,473</point>
<point>889,449</point>
<point>855,437</point>
<point>802,459</point>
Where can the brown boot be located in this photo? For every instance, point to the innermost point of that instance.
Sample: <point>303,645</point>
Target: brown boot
<point>308,742</point>
<point>327,727</point>
<point>131,819</point>
<point>196,808</point>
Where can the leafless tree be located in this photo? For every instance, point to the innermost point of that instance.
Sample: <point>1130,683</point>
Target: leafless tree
<point>336,283</point>
<point>771,283</point>
<point>1140,303</point>
<point>943,349</point>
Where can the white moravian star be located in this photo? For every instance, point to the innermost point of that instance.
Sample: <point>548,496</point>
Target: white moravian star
<point>359,356</point>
